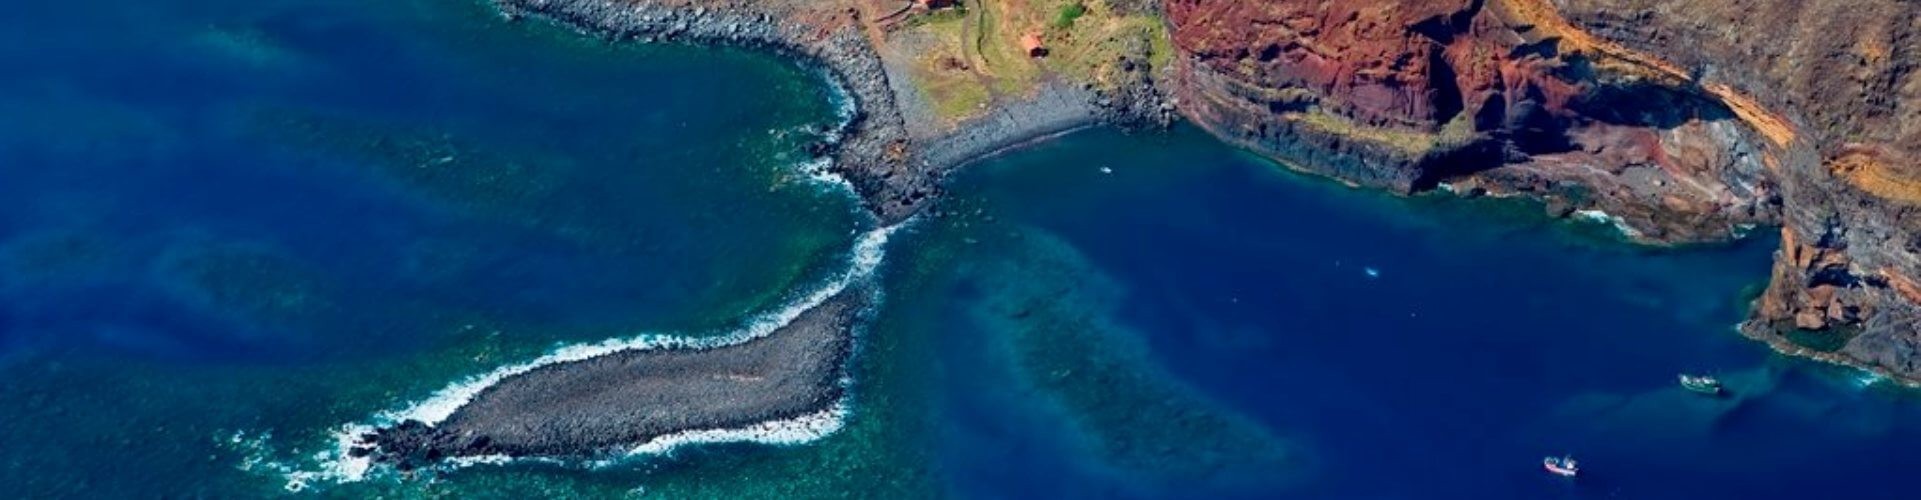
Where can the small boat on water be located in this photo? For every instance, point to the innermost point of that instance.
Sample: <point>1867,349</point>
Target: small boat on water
<point>1703,384</point>
<point>1563,466</point>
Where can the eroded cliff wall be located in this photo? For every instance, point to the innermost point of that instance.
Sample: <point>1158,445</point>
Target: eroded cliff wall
<point>1845,74</point>
<point>1688,121</point>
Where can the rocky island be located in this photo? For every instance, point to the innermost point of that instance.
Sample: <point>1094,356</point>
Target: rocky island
<point>1680,124</point>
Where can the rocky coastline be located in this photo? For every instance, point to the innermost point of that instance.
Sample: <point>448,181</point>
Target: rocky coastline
<point>1594,114</point>
<point>893,163</point>
<point>1680,124</point>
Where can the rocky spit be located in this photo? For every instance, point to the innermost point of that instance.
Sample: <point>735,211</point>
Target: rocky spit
<point>610,404</point>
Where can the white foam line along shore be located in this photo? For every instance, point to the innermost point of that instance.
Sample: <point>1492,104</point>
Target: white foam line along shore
<point>822,169</point>
<point>1619,224</point>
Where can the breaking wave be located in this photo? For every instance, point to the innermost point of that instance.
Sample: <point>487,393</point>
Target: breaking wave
<point>1619,223</point>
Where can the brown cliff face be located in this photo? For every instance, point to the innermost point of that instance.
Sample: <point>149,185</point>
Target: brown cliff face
<point>1848,73</point>
<point>1687,121</point>
<point>1408,94</point>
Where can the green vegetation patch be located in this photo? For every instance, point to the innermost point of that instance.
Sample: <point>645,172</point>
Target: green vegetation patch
<point>1064,18</point>
<point>953,15</point>
<point>1409,142</point>
<point>1830,340</point>
<point>945,73</point>
<point>976,57</point>
<point>1094,40</point>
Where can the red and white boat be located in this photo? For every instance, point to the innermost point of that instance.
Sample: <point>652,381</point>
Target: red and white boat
<point>1563,466</point>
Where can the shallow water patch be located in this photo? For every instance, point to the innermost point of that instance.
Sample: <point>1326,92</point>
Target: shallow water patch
<point>1053,314</point>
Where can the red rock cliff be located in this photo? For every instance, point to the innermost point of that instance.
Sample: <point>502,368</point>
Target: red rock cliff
<point>1687,121</point>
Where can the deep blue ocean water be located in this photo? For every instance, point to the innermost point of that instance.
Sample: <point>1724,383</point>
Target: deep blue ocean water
<point>229,227</point>
<point>226,220</point>
<point>1399,348</point>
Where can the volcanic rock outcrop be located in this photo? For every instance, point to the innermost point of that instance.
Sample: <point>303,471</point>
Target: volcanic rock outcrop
<point>1406,95</point>
<point>1844,76</point>
<point>1686,121</point>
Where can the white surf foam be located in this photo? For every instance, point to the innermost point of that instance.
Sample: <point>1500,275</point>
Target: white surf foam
<point>821,170</point>
<point>794,431</point>
<point>845,106</point>
<point>1619,224</point>
<point>336,465</point>
<point>1864,379</point>
<point>786,432</point>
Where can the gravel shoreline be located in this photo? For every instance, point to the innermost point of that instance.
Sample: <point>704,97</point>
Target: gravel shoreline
<point>1053,110</point>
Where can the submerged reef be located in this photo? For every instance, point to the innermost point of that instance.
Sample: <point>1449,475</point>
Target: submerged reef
<point>1055,321</point>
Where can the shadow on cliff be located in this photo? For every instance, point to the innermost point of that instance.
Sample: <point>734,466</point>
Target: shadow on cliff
<point>1639,102</point>
<point>1515,128</point>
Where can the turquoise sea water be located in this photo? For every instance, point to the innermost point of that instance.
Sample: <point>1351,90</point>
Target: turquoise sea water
<point>228,228</point>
